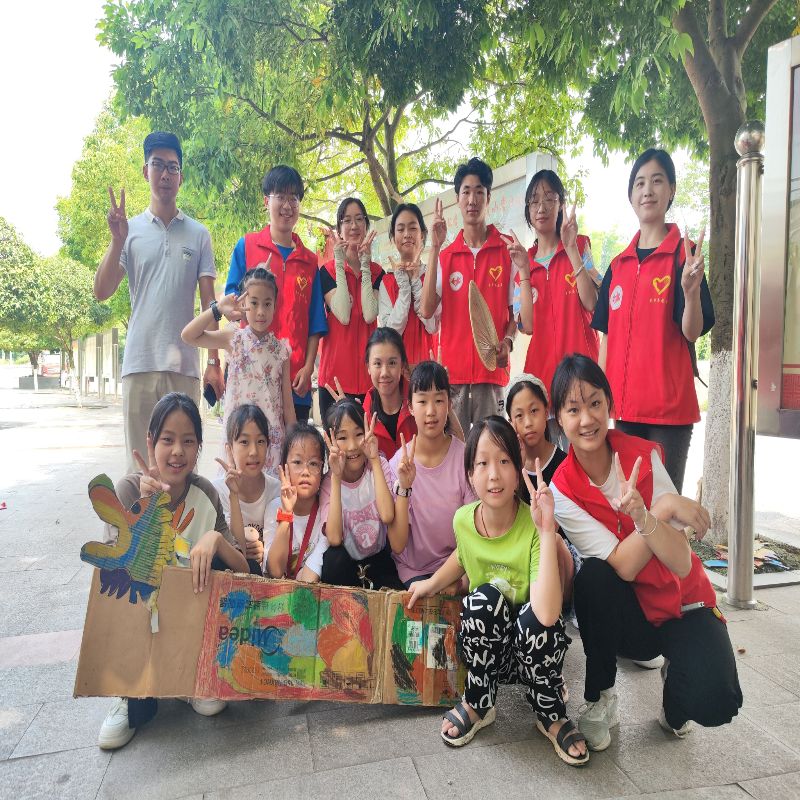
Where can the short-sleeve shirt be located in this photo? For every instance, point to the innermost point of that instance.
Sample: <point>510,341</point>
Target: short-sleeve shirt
<point>510,562</point>
<point>164,265</point>
<point>548,470</point>
<point>317,543</point>
<point>252,513</point>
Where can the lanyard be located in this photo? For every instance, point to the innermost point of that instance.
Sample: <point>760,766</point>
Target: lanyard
<point>312,517</point>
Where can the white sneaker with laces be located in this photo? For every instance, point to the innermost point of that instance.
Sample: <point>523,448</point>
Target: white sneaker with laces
<point>653,663</point>
<point>115,731</point>
<point>597,718</point>
<point>681,732</point>
<point>207,708</point>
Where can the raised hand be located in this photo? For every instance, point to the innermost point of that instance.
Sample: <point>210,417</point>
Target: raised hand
<point>117,219</point>
<point>630,502</point>
<point>335,455</point>
<point>365,248</point>
<point>693,269</point>
<point>339,244</point>
<point>233,308</point>
<point>150,482</point>
<point>338,393</point>
<point>438,226</point>
<point>569,229</point>
<point>518,253</point>
<point>406,468</point>
<point>369,445</point>
<point>542,503</point>
<point>288,491</point>
<point>232,474</point>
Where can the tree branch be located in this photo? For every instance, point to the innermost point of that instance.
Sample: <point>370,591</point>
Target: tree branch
<point>423,182</point>
<point>312,218</point>
<point>341,171</point>
<point>749,23</point>
<point>441,139</point>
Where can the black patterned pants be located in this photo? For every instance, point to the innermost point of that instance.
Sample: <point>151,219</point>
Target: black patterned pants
<point>503,644</point>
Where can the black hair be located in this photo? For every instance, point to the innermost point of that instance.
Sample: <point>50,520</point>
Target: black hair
<point>283,179</point>
<point>415,210</point>
<point>259,274</point>
<point>474,167</point>
<point>342,210</point>
<point>556,185</point>
<point>346,407</point>
<point>577,367</point>
<point>503,435</point>
<point>429,376</point>
<point>162,139</point>
<point>240,416</point>
<point>385,336</point>
<point>299,431</point>
<point>174,401</point>
<point>537,393</point>
<point>665,161</point>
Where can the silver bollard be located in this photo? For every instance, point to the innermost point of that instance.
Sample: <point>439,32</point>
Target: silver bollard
<point>749,144</point>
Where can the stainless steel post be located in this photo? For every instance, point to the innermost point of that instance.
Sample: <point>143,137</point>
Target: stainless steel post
<point>749,144</point>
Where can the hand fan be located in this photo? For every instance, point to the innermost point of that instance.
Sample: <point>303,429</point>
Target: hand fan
<point>484,333</point>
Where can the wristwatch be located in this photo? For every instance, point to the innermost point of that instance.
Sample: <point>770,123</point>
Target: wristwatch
<point>400,492</point>
<point>215,310</point>
<point>212,362</point>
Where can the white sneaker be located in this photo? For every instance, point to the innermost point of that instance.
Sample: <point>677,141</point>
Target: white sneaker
<point>653,663</point>
<point>681,732</point>
<point>115,731</point>
<point>207,708</point>
<point>597,718</point>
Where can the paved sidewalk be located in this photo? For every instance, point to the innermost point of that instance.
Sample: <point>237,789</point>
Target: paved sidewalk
<point>50,451</point>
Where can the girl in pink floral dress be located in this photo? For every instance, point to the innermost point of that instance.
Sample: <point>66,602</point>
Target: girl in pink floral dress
<point>258,362</point>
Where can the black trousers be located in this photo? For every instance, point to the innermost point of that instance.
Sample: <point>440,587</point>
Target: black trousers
<point>326,401</point>
<point>701,679</point>
<point>675,439</point>
<point>302,412</point>
<point>374,572</point>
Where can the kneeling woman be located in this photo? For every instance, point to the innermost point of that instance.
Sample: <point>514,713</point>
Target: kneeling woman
<point>511,629</point>
<point>641,590</point>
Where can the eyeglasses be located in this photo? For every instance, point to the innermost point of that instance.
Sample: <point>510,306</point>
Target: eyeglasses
<point>359,219</point>
<point>313,467</point>
<point>159,166</point>
<point>548,201</point>
<point>292,200</point>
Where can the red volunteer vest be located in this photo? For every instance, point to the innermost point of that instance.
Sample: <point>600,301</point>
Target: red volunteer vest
<point>660,592</point>
<point>561,325</point>
<point>406,424</point>
<point>491,270</point>
<point>418,342</point>
<point>647,361</point>
<point>342,350</point>
<point>294,279</point>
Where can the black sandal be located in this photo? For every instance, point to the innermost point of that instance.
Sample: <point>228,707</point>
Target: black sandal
<point>567,736</point>
<point>468,729</point>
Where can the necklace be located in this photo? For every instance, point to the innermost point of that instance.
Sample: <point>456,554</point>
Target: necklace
<point>483,522</point>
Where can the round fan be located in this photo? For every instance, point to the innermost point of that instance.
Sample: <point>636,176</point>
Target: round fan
<point>484,333</point>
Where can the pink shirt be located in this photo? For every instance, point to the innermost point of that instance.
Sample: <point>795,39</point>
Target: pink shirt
<point>437,494</point>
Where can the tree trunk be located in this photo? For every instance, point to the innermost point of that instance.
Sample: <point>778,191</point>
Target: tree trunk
<point>33,357</point>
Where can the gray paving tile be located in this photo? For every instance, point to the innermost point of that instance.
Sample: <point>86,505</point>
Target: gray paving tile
<point>17,563</point>
<point>527,769</point>
<point>13,724</point>
<point>195,755</point>
<point>782,598</point>
<point>39,578</point>
<point>64,725</point>
<point>776,787</point>
<point>782,722</point>
<point>730,792</point>
<point>783,671</point>
<point>759,690</point>
<point>21,686</point>
<point>69,775</point>
<point>657,761</point>
<point>766,634</point>
<point>395,779</point>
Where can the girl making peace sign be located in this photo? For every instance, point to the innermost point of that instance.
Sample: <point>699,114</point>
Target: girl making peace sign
<point>641,591</point>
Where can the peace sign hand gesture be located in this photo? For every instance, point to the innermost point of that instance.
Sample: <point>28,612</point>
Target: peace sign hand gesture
<point>339,244</point>
<point>232,307</point>
<point>335,455</point>
<point>406,468</point>
<point>438,226</point>
<point>365,248</point>
<point>369,446</point>
<point>694,268</point>
<point>542,503</point>
<point>569,229</point>
<point>338,393</point>
<point>117,219</point>
<point>630,502</point>
<point>288,491</point>
<point>232,475</point>
<point>518,253</point>
<point>150,483</point>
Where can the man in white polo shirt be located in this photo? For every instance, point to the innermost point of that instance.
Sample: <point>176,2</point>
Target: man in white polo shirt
<point>165,255</point>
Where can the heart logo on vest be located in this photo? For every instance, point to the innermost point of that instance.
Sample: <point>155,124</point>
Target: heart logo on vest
<point>302,282</point>
<point>571,279</point>
<point>662,284</point>
<point>495,273</point>
<point>615,300</point>
<point>456,281</point>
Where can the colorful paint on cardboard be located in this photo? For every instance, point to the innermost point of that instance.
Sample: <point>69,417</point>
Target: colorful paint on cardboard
<point>278,639</point>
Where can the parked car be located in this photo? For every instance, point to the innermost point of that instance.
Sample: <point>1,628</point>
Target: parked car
<point>50,364</point>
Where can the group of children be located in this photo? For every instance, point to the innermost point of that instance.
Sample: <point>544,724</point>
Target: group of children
<point>392,495</point>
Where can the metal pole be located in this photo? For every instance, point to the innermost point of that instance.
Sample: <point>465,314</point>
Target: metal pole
<point>749,144</point>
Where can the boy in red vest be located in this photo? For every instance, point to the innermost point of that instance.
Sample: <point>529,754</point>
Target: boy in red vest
<point>300,316</point>
<point>478,253</point>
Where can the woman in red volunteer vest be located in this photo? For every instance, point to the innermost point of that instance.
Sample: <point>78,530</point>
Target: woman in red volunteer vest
<point>388,398</point>
<point>641,592</point>
<point>400,294</point>
<point>350,285</point>
<point>653,304</point>
<point>557,285</point>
